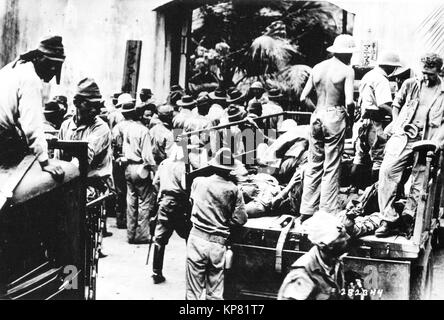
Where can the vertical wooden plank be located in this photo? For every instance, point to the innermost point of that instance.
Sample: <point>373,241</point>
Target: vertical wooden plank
<point>131,66</point>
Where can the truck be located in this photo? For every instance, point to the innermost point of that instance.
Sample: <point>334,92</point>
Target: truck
<point>50,236</point>
<point>390,268</point>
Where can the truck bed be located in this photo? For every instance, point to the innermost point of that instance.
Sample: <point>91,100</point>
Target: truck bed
<point>269,228</point>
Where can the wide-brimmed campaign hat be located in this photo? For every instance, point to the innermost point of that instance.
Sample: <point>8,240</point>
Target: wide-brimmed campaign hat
<point>127,108</point>
<point>88,90</point>
<point>125,98</point>
<point>235,96</point>
<point>344,43</point>
<point>186,101</point>
<point>257,86</point>
<point>218,95</point>
<point>275,93</point>
<point>235,113</point>
<point>223,159</point>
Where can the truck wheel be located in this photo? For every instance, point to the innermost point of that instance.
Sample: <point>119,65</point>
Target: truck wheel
<point>438,238</point>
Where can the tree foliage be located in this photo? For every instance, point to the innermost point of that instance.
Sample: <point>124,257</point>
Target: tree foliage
<point>310,26</point>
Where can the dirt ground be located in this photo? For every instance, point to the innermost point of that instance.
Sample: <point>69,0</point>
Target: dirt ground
<point>123,274</point>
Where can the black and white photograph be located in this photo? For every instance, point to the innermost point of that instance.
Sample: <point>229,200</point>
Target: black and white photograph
<point>237,150</point>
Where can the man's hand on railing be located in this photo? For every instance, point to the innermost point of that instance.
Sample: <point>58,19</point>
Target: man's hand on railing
<point>251,122</point>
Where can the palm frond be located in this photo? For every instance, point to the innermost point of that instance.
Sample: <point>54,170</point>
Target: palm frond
<point>268,55</point>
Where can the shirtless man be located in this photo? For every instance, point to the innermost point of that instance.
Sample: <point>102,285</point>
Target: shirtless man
<point>333,81</point>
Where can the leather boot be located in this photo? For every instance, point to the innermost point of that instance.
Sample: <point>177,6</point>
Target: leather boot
<point>159,252</point>
<point>386,229</point>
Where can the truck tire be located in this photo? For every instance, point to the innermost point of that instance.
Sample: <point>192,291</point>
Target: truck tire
<point>438,238</point>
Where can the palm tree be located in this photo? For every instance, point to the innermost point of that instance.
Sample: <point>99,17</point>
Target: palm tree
<point>278,56</point>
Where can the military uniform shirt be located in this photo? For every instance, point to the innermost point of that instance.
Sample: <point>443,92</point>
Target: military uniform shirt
<point>374,89</point>
<point>162,140</point>
<point>170,176</point>
<point>21,102</point>
<point>136,141</point>
<point>98,136</point>
<point>217,205</point>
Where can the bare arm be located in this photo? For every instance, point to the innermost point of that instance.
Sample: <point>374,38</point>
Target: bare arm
<point>399,100</point>
<point>348,87</point>
<point>307,89</point>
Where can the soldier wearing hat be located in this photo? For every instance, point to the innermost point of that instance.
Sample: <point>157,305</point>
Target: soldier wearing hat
<point>145,95</point>
<point>375,99</point>
<point>256,91</point>
<point>231,137</point>
<point>332,80</point>
<point>318,274</point>
<point>53,116</point>
<point>138,161</point>
<point>218,205</point>
<point>21,104</point>
<point>116,116</point>
<point>236,97</point>
<point>186,104</point>
<point>218,104</point>
<point>219,97</point>
<point>174,209</point>
<point>176,93</point>
<point>273,106</point>
<point>162,137</point>
<point>86,125</point>
<point>418,112</point>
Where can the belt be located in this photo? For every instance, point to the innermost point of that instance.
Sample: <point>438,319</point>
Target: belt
<point>209,237</point>
<point>173,194</point>
<point>331,108</point>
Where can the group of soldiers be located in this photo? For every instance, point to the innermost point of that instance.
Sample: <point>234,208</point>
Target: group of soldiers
<point>135,152</point>
<point>141,153</point>
<point>390,147</point>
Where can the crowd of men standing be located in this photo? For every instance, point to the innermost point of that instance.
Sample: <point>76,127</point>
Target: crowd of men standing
<point>135,149</point>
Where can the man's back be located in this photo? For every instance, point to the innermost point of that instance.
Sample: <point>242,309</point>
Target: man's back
<point>329,79</point>
<point>217,204</point>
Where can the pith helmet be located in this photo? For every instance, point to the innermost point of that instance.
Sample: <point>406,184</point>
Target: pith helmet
<point>344,43</point>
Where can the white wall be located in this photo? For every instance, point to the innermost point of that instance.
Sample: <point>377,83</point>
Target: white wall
<point>94,34</point>
<point>395,25</point>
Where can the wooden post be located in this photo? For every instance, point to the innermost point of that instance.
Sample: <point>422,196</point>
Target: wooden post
<point>131,66</point>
